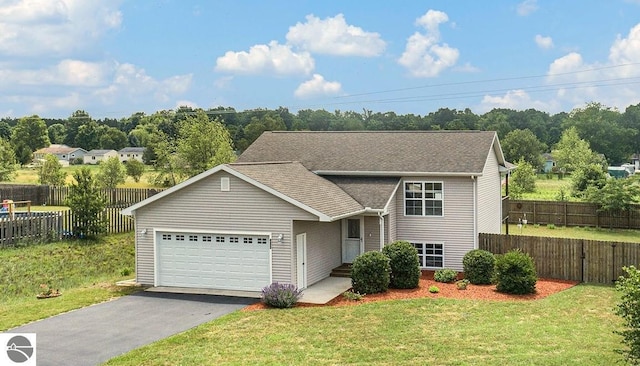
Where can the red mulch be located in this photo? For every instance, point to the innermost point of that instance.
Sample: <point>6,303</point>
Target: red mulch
<point>544,288</point>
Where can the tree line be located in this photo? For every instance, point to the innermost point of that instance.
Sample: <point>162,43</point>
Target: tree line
<point>169,135</point>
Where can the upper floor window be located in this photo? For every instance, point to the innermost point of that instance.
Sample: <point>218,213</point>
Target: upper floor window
<point>423,199</point>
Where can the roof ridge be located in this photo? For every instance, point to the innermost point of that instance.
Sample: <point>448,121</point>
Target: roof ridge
<point>264,162</point>
<point>382,132</point>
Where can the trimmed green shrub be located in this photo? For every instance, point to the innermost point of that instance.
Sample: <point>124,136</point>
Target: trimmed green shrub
<point>281,295</point>
<point>478,266</point>
<point>445,275</point>
<point>434,289</point>
<point>405,265</point>
<point>370,273</point>
<point>515,273</point>
<point>629,310</point>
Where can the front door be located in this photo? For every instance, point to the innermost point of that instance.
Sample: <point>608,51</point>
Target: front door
<point>352,239</point>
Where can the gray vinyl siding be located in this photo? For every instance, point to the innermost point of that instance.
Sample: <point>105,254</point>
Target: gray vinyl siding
<point>202,206</point>
<point>324,248</point>
<point>455,229</point>
<point>489,197</point>
<point>392,217</point>
<point>371,233</point>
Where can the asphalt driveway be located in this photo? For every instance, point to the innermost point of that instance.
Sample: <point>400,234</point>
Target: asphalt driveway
<point>97,333</point>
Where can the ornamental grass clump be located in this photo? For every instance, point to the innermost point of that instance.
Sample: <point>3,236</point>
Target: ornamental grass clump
<point>281,295</point>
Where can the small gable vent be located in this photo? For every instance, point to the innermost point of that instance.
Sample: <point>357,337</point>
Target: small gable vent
<point>224,184</point>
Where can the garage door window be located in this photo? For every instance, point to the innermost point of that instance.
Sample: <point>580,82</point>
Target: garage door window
<point>247,240</point>
<point>206,237</point>
<point>166,236</point>
<point>193,237</point>
<point>233,239</point>
<point>262,240</point>
<point>180,237</point>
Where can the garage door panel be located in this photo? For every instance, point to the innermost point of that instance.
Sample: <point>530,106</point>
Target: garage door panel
<point>233,262</point>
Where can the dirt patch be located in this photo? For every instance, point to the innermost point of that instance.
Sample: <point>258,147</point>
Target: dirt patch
<point>544,288</point>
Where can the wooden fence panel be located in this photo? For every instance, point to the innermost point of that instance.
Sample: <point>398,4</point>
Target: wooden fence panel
<point>572,214</point>
<point>598,262</point>
<point>569,259</point>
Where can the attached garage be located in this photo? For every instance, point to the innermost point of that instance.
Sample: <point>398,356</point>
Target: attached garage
<point>225,261</point>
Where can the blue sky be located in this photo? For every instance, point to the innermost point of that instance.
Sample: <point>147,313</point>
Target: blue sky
<point>116,57</point>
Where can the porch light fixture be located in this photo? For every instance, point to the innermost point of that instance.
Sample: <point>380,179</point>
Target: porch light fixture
<point>280,237</point>
<point>143,231</point>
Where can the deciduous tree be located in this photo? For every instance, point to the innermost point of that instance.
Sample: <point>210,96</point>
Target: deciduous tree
<point>31,131</point>
<point>8,164</point>
<point>134,169</point>
<point>50,171</point>
<point>87,204</point>
<point>111,172</point>
<point>523,144</point>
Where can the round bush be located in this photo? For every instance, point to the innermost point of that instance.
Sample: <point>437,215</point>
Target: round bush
<point>370,273</point>
<point>405,265</point>
<point>478,266</point>
<point>445,275</point>
<point>515,273</point>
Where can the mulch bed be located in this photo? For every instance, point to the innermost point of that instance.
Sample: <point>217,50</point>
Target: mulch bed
<point>544,288</point>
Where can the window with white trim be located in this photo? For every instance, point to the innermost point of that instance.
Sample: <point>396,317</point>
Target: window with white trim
<point>431,255</point>
<point>423,199</point>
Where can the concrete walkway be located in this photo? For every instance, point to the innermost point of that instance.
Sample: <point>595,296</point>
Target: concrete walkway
<point>319,293</point>
<point>95,334</point>
<point>324,291</point>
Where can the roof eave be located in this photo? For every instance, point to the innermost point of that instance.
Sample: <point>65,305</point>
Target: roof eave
<point>357,173</point>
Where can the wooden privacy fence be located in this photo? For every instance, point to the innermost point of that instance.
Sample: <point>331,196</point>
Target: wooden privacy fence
<point>582,260</point>
<point>54,225</point>
<point>572,214</point>
<point>55,196</point>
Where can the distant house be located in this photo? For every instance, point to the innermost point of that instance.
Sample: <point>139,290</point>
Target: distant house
<point>96,156</point>
<point>64,153</point>
<point>129,153</point>
<point>635,160</point>
<point>549,163</point>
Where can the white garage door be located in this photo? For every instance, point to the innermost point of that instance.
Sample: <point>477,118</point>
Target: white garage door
<point>216,261</point>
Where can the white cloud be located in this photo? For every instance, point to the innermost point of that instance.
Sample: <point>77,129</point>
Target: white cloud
<point>543,42</point>
<point>334,36</point>
<point>132,83</point>
<point>424,56</point>
<point>527,7</point>
<point>54,27</point>
<point>318,86</point>
<point>609,82</point>
<point>223,82</point>
<point>516,99</point>
<point>467,67</point>
<point>66,73</point>
<point>273,58</point>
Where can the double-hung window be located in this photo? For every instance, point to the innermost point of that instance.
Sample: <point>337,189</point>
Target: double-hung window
<point>423,199</point>
<point>431,255</point>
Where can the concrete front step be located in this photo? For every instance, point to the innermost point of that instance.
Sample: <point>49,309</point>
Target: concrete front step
<point>342,271</point>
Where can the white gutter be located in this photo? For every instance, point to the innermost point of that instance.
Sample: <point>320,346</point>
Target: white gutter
<point>381,223</point>
<point>475,213</point>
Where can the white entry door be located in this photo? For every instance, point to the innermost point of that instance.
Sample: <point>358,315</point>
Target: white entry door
<point>301,251</point>
<point>352,238</point>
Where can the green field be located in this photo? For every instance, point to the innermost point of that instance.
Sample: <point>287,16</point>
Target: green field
<point>30,176</point>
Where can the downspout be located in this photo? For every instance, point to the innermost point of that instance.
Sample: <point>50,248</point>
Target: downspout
<point>381,223</point>
<point>475,212</point>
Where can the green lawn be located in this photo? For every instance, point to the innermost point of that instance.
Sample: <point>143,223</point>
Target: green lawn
<point>549,189</point>
<point>576,232</point>
<point>85,273</point>
<point>574,327</point>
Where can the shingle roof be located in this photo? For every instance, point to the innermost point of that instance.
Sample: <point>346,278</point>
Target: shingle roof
<point>373,192</point>
<point>458,152</point>
<point>295,181</point>
<point>57,149</point>
<point>99,152</point>
<point>131,149</point>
